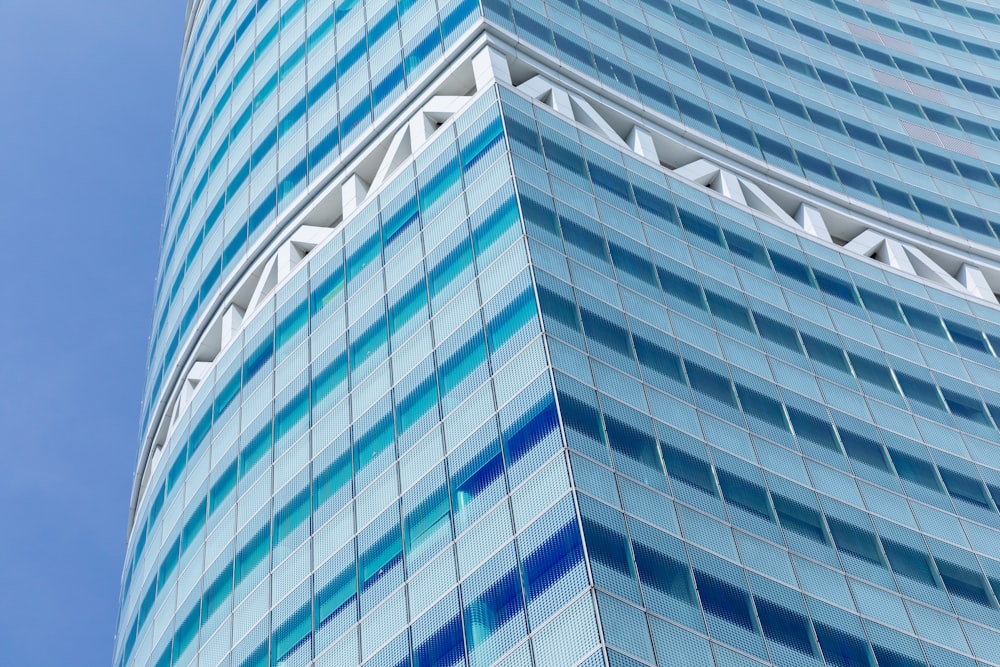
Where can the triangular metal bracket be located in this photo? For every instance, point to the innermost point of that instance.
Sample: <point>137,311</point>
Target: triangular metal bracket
<point>267,282</point>
<point>925,267</point>
<point>811,220</point>
<point>541,89</point>
<point>973,280</point>
<point>585,114</point>
<point>640,140</point>
<point>866,244</point>
<point>700,171</point>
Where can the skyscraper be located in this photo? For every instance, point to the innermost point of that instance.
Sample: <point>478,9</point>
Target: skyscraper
<point>575,332</point>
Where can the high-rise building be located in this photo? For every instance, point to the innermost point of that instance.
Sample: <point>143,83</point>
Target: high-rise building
<point>575,332</point>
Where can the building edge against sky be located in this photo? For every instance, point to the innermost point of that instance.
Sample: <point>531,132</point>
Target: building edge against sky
<point>575,332</point>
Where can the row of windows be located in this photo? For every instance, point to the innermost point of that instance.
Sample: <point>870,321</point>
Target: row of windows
<point>292,62</point>
<point>638,34</point>
<point>782,336</point>
<point>694,588</point>
<point>517,590</point>
<point>292,117</point>
<point>804,29</point>
<point>322,31</point>
<point>757,501</point>
<point>455,494</point>
<point>656,561</point>
<point>847,44</point>
<point>634,444</point>
<point>911,576</point>
<point>344,277</point>
<point>192,94</point>
<point>772,330</point>
<point>174,232</point>
<point>196,46</point>
<point>977,13</point>
<point>166,341</point>
<point>972,126</point>
<point>829,170</point>
<point>350,359</point>
<point>636,197</point>
<point>751,400</point>
<point>922,32</point>
<point>654,454</point>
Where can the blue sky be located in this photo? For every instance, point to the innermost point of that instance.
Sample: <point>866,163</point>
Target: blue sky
<point>86,109</point>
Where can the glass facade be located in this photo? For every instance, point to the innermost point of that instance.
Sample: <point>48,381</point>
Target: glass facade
<point>532,395</point>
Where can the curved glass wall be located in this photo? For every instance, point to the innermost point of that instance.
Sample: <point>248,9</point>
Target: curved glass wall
<point>540,400</point>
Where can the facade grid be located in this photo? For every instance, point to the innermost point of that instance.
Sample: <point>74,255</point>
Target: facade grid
<point>575,332</point>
